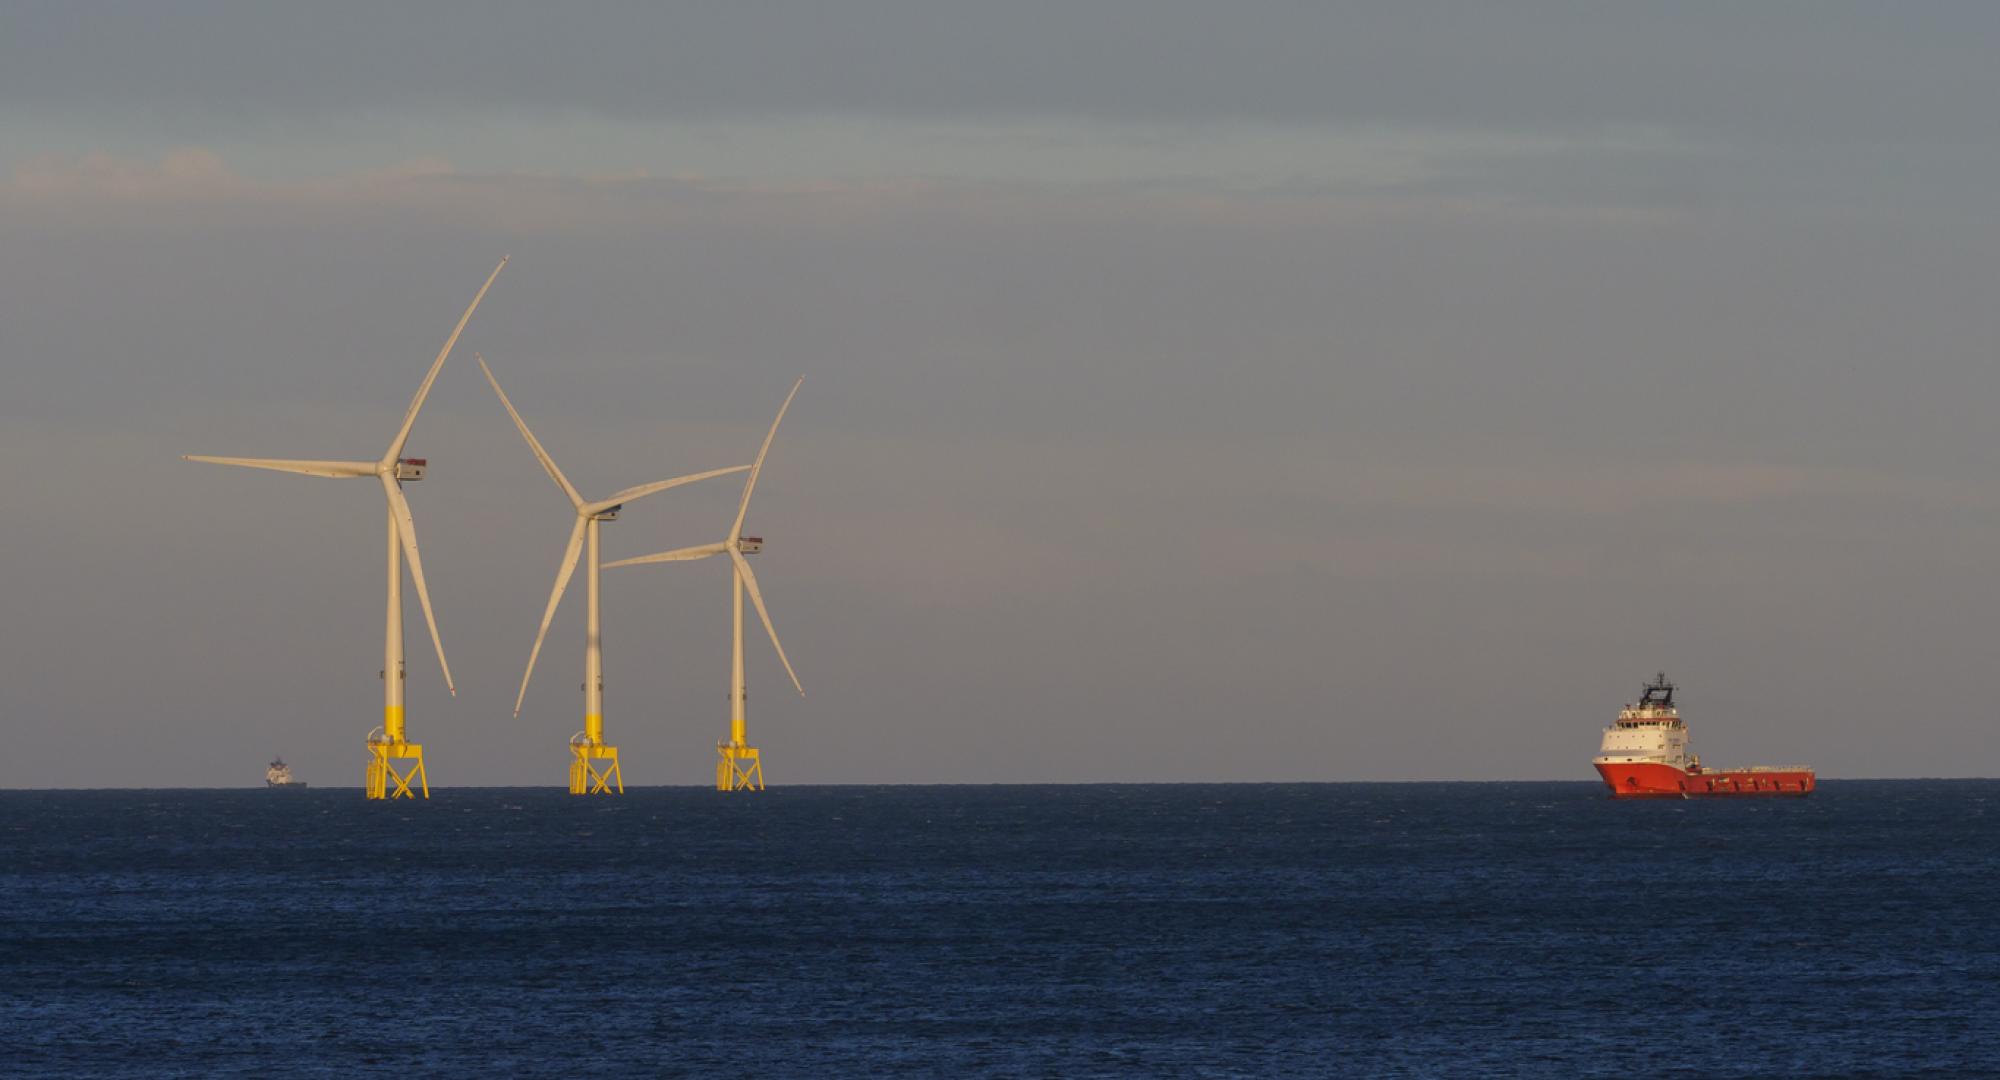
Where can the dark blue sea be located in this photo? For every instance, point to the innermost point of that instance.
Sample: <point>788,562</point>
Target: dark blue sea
<point>1377,930</point>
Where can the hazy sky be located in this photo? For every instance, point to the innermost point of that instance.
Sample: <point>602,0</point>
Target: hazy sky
<point>1194,391</point>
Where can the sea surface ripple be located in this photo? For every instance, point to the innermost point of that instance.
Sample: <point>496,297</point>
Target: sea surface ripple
<point>1505,929</point>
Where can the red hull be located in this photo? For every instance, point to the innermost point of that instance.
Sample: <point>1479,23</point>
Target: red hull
<point>1650,780</point>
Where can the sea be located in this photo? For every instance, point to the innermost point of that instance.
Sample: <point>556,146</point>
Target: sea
<point>1180,930</point>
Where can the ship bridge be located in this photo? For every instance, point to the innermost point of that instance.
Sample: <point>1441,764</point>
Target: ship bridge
<point>1655,707</point>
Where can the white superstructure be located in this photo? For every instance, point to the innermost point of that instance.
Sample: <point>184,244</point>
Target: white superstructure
<point>1648,730</point>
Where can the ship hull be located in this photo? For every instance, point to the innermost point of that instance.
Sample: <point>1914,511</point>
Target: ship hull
<point>1652,780</point>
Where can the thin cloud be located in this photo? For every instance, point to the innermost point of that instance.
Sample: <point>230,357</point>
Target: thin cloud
<point>101,188</point>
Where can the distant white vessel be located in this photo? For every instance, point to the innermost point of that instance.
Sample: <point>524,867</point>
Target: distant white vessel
<point>279,775</point>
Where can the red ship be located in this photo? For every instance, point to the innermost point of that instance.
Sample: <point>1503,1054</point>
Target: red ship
<point>1645,756</point>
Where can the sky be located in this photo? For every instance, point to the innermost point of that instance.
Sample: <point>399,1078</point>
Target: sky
<point>1193,392</point>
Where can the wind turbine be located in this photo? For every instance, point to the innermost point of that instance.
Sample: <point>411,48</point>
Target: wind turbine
<point>739,766</point>
<point>387,743</point>
<point>586,747</point>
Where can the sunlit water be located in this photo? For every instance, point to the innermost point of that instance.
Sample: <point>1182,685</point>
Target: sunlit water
<point>1371,930</point>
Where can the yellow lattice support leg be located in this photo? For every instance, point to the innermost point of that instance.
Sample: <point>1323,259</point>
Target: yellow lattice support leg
<point>385,781</point>
<point>738,767</point>
<point>585,778</point>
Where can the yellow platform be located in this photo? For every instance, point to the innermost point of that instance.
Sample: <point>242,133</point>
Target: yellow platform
<point>585,778</point>
<point>382,769</point>
<point>738,767</point>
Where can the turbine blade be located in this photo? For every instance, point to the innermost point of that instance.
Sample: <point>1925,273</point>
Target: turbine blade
<point>570,556</point>
<point>337,469</point>
<point>686,554</point>
<point>742,508</point>
<point>406,529</point>
<point>757,598</point>
<point>632,494</point>
<point>423,391</point>
<point>548,463</point>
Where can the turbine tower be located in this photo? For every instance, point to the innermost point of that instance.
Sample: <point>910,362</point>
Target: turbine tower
<point>586,747</point>
<point>388,745</point>
<point>739,766</point>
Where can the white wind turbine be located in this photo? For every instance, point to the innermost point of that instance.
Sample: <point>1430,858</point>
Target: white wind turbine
<point>739,765</point>
<point>387,742</point>
<point>586,746</point>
